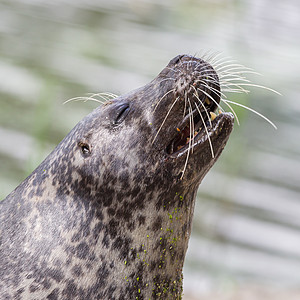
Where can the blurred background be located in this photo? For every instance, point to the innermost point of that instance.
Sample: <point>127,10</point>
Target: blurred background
<point>246,232</point>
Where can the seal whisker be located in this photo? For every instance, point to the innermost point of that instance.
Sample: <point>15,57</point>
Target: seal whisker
<point>233,66</point>
<point>232,110</point>
<point>192,132</point>
<point>232,90</point>
<point>232,81</point>
<point>163,122</point>
<point>250,109</point>
<point>197,97</point>
<point>207,76</point>
<point>104,97</point>
<point>237,85</point>
<point>207,79</point>
<point>170,91</point>
<point>189,147</point>
<point>187,63</point>
<point>258,86</point>
<point>223,64</point>
<point>211,98</point>
<point>175,71</point>
<point>166,80</point>
<point>237,73</point>
<point>217,59</point>
<point>107,95</point>
<point>84,99</point>
<point>233,77</point>
<point>213,58</point>
<point>221,94</point>
<point>230,67</point>
<point>206,130</point>
<point>216,91</point>
<point>185,104</point>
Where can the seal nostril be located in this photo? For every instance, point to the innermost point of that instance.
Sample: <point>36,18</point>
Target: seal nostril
<point>121,113</point>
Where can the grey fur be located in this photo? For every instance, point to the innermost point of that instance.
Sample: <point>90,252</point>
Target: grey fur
<point>106,215</point>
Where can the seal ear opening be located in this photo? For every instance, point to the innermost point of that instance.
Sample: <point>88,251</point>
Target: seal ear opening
<point>85,148</point>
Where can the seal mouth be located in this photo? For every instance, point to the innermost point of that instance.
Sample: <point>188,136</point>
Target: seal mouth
<point>196,125</point>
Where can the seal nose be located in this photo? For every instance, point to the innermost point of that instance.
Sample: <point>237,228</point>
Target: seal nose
<point>176,59</point>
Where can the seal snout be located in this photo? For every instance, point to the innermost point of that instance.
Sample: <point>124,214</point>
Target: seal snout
<point>197,88</point>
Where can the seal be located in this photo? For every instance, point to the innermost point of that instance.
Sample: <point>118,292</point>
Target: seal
<point>107,215</point>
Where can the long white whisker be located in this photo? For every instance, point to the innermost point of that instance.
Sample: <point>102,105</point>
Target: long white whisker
<point>211,98</point>
<point>189,148</point>
<point>163,122</point>
<point>84,99</point>
<point>237,85</point>
<point>197,97</point>
<point>231,67</point>
<point>166,80</point>
<point>185,104</point>
<point>232,77</point>
<point>174,70</point>
<point>192,132</point>
<point>252,110</point>
<point>259,86</point>
<point>214,58</point>
<point>217,92</point>
<point>206,130</point>
<point>106,94</point>
<point>170,91</point>
<point>223,61</point>
<point>103,97</point>
<point>232,110</point>
<point>237,73</point>
<point>236,91</point>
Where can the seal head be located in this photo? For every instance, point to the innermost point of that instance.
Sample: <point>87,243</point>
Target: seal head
<point>108,213</point>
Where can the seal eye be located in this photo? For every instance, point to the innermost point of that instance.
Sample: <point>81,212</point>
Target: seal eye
<point>85,148</point>
<point>120,113</point>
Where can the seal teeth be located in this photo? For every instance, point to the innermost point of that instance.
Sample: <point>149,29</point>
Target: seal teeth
<point>207,101</point>
<point>212,116</point>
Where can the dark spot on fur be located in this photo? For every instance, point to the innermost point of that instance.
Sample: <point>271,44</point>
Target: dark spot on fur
<point>19,293</point>
<point>111,211</point>
<point>112,228</point>
<point>102,273</point>
<point>53,295</point>
<point>106,241</point>
<point>55,274</point>
<point>117,244</point>
<point>82,250</point>
<point>70,290</point>
<point>141,220</point>
<point>131,226</point>
<point>157,224</point>
<point>77,271</point>
<point>33,288</point>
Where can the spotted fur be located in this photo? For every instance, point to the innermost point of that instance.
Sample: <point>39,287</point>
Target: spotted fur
<point>108,214</point>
